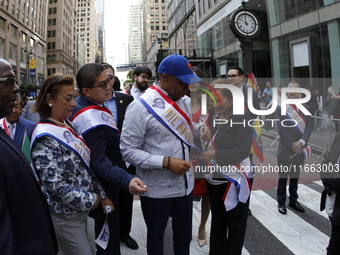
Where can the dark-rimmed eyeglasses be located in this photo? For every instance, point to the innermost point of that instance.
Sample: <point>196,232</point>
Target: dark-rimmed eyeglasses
<point>102,84</point>
<point>233,75</point>
<point>10,81</point>
<point>144,77</point>
<point>110,77</point>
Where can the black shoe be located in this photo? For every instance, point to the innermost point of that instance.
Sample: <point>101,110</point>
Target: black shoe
<point>249,212</point>
<point>282,208</point>
<point>129,242</point>
<point>296,205</point>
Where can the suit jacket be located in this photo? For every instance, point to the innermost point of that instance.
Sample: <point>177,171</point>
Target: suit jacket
<point>331,179</point>
<point>25,224</point>
<point>106,159</point>
<point>22,125</point>
<point>122,101</point>
<point>28,114</point>
<point>256,102</point>
<point>289,135</point>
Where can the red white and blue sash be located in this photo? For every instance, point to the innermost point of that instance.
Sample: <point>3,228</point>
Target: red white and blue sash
<point>238,177</point>
<point>168,113</point>
<point>239,186</point>
<point>299,120</point>
<point>93,116</point>
<point>65,136</point>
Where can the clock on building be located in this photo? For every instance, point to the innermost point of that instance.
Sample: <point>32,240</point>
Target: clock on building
<point>244,23</point>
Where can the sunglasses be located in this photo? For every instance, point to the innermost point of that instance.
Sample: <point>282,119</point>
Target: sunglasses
<point>10,81</point>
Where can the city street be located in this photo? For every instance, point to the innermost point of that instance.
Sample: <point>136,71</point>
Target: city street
<point>268,231</point>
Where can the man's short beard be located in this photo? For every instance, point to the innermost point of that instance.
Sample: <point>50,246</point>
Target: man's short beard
<point>140,86</point>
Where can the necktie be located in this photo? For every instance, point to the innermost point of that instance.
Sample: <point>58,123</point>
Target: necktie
<point>11,130</point>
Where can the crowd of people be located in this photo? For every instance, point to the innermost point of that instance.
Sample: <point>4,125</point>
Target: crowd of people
<point>92,152</point>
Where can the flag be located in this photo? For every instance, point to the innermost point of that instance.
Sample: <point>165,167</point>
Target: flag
<point>252,81</point>
<point>256,147</point>
<point>307,152</point>
<point>25,148</point>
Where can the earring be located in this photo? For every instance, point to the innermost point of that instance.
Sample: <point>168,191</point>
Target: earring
<point>50,105</point>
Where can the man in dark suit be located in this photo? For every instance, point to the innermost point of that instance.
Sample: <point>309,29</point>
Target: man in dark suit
<point>293,139</point>
<point>331,181</point>
<point>16,126</point>
<point>236,77</point>
<point>117,105</point>
<point>25,224</point>
<point>103,138</point>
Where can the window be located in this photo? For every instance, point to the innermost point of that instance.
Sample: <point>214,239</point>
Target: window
<point>51,33</point>
<point>51,45</point>
<point>2,24</point>
<point>156,7</point>
<point>23,37</point>
<point>52,22</point>
<point>2,47</point>
<point>53,1</point>
<point>52,10</point>
<point>50,71</point>
<point>13,30</point>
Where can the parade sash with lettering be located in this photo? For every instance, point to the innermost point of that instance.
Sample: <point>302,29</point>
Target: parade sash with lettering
<point>93,116</point>
<point>66,137</point>
<point>168,113</point>
<point>293,114</point>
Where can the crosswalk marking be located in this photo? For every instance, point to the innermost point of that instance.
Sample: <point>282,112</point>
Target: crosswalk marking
<point>296,234</point>
<point>311,199</point>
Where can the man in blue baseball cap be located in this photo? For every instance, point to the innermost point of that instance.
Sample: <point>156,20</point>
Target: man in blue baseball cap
<point>155,138</point>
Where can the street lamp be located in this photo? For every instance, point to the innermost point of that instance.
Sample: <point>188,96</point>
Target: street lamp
<point>29,54</point>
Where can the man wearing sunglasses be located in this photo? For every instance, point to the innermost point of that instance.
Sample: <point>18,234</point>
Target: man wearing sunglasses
<point>25,222</point>
<point>99,129</point>
<point>117,105</point>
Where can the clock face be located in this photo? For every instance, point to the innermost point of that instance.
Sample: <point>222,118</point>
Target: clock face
<point>246,24</point>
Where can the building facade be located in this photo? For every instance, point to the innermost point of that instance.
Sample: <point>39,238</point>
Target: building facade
<point>101,31</point>
<point>135,33</point>
<point>23,38</point>
<point>87,28</point>
<point>61,51</point>
<point>154,23</point>
<point>299,39</point>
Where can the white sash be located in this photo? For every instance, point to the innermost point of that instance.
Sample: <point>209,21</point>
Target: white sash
<point>300,121</point>
<point>66,137</point>
<point>93,116</point>
<point>168,113</point>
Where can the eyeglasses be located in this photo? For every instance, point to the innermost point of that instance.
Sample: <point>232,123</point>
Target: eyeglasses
<point>110,77</point>
<point>144,77</point>
<point>102,84</point>
<point>10,81</point>
<point>233,75</point>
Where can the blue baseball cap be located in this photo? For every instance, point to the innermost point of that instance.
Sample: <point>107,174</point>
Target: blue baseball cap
<point>180,67</point>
